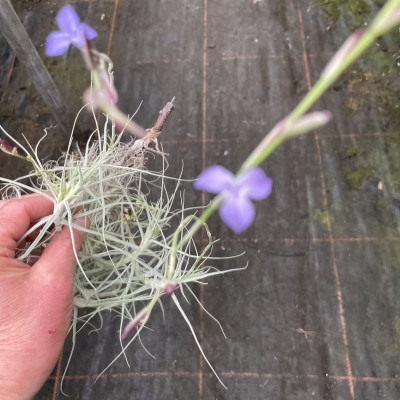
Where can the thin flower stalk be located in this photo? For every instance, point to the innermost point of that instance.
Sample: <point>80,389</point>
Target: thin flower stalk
<point>350,51</point>
<point>388,17</point>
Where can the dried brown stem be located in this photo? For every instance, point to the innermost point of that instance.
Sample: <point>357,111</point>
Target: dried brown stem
<point>153,133</point>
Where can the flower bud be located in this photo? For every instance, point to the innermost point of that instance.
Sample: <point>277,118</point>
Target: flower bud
<point>134,323</point>
<point>307,123</point>
<point>7,147</point>
<point>339,57</point>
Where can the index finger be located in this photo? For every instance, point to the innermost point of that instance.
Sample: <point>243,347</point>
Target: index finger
<point>16,216</point>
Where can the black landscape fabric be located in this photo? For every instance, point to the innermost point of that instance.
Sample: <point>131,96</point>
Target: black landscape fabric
<point>316,314</point>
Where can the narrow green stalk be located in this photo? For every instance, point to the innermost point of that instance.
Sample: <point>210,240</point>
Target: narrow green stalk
<point>268,145</point>
<point>323,82</point>
<point>276,135</point>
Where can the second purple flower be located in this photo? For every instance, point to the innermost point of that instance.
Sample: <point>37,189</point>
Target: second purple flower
<point>72,31</point>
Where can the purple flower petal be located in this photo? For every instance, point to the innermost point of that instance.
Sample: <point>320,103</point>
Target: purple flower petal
<point>68,20</point>
<point>214,179</point>
<point>89,32</point>
<point>79,39</point>
<point>237,212</point>
<point>57,43</point>
<point>72,31</point>
<point>254,184</point>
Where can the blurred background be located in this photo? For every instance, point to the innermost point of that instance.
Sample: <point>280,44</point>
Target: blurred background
<point>316,315</point>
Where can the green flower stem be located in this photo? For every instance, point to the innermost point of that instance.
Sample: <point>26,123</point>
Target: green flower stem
<point>263,150</point>
<point>268,145</point>
<point>95,79</point>
<point>277,135</point>
<point>325,81</point>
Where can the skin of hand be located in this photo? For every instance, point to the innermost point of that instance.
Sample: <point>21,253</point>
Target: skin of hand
<point>35,301</point>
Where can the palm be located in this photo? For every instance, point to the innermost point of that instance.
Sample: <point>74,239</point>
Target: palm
<point>35,302</point>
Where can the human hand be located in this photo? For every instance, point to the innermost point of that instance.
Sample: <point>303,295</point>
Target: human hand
<point>35,302</point>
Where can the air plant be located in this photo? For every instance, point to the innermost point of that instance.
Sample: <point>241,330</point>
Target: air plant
<point>137,250</point>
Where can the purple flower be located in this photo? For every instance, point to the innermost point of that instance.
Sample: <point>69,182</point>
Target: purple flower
<point>72,31</point>
<point>237,211</point>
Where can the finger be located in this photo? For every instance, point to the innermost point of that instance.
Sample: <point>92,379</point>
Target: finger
<point>16,216</point>
<point>58,259</point>
<point>3,202</point>
<point>35,233</point>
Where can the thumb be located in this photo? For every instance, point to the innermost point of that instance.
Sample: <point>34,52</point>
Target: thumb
<point>58,259</point>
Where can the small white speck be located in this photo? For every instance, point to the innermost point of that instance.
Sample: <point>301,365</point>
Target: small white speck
<point>102,17</point>
<point>256,40</point>
<point>226,152</point>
